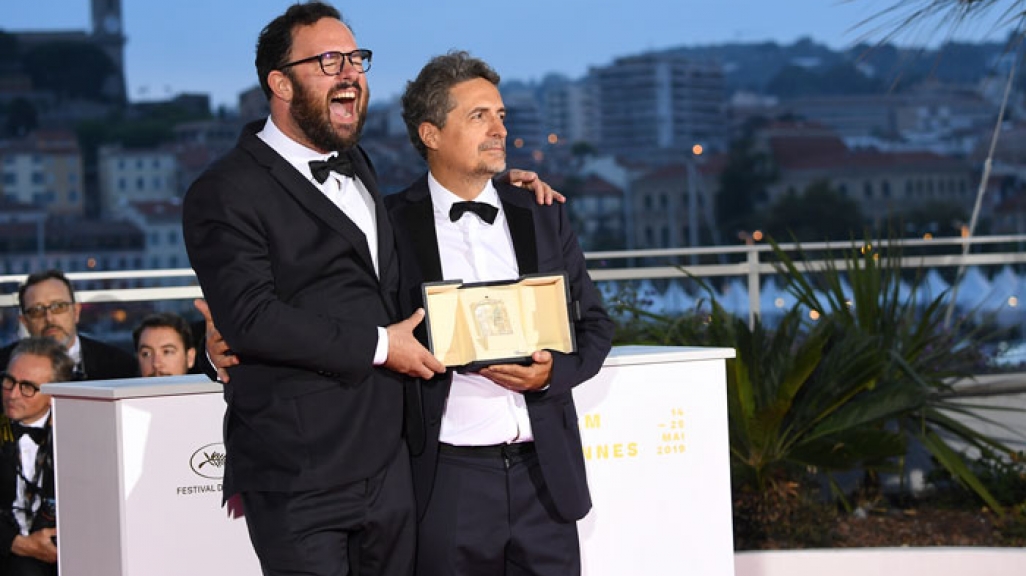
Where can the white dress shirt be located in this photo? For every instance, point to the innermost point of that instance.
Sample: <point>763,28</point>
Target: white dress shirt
<point>348,194</point>
<point>478,411</point>
<point>28,450</point>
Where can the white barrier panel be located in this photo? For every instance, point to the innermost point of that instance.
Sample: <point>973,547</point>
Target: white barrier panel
<point>903,561</point>
<point>654,428</point>
<point>139,467</point>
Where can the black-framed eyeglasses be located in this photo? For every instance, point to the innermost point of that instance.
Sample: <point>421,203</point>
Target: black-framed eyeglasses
<point>332,62</point>
<point>8,382</point>
<point>39,310</point>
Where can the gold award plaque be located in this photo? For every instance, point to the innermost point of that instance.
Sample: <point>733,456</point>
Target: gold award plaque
<point>492,323</point>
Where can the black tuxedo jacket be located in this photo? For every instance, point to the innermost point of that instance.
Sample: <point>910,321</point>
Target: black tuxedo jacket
<point>10,455</point>
<point>543,242</point>
<point>291,285</point>
<point>100,361</point>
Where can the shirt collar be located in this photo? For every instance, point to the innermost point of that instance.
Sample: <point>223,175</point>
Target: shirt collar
<point>293,152</point>
<point>39,422</point>
<point>442,199</point>
<point>75,350</point>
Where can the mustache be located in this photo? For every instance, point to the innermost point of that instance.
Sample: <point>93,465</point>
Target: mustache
<point>345,85</point>
<point>492,144</point>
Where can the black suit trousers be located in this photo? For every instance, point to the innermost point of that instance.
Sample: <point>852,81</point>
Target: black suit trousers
<point>491,516</point>
<point>21,566</point>
<point>365,528</point>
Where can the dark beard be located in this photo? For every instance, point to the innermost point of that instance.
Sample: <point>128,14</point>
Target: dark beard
<point>314,119</point>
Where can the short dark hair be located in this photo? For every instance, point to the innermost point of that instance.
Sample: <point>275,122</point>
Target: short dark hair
<point>275,41</point>
<point>62,364</point>
<point>36,278</point>
<point>427,98</point>
<point>165,320</point>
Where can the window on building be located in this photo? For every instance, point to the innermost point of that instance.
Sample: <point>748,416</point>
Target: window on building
<point>122,184</point>
<point>885,189</point>
<point>665,233</point>
<point>649,237</point>
<point>647,202</point>
<point>663,202</point>
<point>867,189</point>
<point>908,188</point>
<point>140,183</point>
<point>156,162</point>
<point>157,184</point>
<point>121,164</point>
<point>38,178</point>
<point>843,189</point>
<point>172,237</point>
<point>10,179</point>
<point>139,163</point>
<point>172,262</point>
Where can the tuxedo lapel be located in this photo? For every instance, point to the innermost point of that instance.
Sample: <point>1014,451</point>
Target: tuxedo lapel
<point>418,220</point>
<point>521,227</point>
<point>307,195</point>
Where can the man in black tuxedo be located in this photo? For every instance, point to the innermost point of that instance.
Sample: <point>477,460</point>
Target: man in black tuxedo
<point>500,477</point>
<point>27,499</point>
<point>296,258</point>
<point>48,308</point>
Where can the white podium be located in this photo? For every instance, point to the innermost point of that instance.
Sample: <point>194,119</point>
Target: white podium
<point>139,467</point>
<point>654,428</point>
<point>139,464</point>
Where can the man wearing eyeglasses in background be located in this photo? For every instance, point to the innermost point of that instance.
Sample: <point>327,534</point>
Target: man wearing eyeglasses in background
<point>48,308</point>
<point>28,520</point>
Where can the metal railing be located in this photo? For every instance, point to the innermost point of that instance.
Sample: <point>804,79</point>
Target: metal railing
<point>750,261</point>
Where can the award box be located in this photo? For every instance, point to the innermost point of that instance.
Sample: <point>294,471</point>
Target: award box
<point>474,325</point>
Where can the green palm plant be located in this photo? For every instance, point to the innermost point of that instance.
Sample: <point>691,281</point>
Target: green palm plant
<point>799,401</point>
<point>905,17</point>
<point>918,356</point>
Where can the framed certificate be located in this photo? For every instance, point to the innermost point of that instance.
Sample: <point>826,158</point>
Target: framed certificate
<point>474,325</point>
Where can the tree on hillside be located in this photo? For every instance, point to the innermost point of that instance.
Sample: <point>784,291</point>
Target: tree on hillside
<point>743,185</point>
<point>936,218</point>
<point>22,118</point>
<point>70,69</point>
<point>816,215</point>
<point>840,79</point>
<point>10,48</point>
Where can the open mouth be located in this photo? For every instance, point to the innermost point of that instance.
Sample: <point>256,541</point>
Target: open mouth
<point>343,104</point>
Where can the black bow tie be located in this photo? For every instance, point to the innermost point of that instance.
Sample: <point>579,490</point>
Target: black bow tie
<point>487,212</point>
<point>339,163</point>
<point>38,435</point>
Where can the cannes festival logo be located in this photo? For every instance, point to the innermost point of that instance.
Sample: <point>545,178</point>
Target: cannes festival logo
<point>208,461</point>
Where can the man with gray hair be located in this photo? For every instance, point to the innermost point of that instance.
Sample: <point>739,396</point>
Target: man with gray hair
<point>28,520</point>
<point>498,467</point>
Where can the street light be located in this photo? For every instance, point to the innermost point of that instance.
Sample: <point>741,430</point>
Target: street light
<point>692,171</point>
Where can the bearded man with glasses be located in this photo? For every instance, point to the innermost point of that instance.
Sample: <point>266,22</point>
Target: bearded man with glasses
<point>296,257</point>
<point>48,309</point>
<point>28,508</point>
